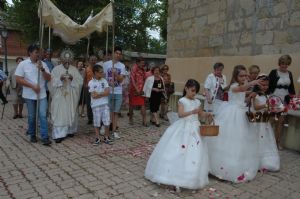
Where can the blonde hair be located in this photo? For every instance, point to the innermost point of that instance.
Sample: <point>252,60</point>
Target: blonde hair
<point>253,67</point>
<point>285,59</point>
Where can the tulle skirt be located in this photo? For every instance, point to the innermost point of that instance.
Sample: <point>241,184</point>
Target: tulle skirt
<point>233,154</point>
<point>180,157</point>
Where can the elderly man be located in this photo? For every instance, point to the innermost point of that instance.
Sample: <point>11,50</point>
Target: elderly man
<point>65,86</point>
<point>32,74</point>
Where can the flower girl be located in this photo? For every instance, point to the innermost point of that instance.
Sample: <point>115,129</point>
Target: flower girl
<point>233,154</point>
<point>268,153</point>
<point>180,157</point>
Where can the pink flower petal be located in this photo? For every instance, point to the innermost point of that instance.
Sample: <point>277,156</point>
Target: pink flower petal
<point>241,177</point>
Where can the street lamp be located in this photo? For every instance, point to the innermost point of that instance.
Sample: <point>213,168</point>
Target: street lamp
<point>4,34</point>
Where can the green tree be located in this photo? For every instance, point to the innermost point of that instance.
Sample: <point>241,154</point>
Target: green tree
<point>3,4</point>
<point>133,18</point>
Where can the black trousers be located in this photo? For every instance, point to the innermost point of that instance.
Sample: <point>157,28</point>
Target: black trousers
<point>2,97</point>
<point>88,103</point>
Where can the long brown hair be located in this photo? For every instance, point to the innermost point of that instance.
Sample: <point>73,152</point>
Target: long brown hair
<point>234,77</point>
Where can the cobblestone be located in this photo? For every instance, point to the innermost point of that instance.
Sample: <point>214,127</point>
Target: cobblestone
<point>76,169</point>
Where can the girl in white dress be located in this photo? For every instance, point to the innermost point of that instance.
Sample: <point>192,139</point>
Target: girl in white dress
<point>233,154</point>
<point>268,153</point>
<point>180,157</point>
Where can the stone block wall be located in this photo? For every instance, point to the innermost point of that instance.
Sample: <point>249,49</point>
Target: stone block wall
<point>209,28</point>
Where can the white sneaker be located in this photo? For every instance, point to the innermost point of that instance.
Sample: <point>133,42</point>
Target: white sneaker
<point>116,136</point>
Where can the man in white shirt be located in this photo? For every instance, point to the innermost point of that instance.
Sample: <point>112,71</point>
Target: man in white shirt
<point>114,71</point>
<point>33,89</point>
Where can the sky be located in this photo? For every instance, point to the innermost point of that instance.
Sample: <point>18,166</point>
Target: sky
<point>9,1</point>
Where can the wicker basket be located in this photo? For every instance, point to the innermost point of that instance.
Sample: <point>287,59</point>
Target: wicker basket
<point>257,117</point>
<point>209,130</point>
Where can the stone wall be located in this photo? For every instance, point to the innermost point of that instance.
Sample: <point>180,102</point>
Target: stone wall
<point>206,28</point>
<point>202,32</point>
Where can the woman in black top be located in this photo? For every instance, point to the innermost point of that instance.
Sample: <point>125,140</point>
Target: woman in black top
<point>281,84</point>
<point>157,92</point>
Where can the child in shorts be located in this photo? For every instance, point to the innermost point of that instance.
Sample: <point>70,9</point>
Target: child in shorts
<point>99,89</point>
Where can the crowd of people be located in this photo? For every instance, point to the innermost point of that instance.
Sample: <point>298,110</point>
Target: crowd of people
<point>71,92</point>
<point>182,157</point>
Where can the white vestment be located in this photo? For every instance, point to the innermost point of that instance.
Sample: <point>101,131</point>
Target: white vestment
<point>65,96</point>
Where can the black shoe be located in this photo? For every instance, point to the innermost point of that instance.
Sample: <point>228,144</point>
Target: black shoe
<point>107,141</point>
<point>58,140</point>
<point>15,116</point>
<point>20,116</point>
<point>46,142</point>
<point>152,122</point>
<point>157,125</point>
<point>33,139</point>
<point>70,135</point>
<point>97,142</point>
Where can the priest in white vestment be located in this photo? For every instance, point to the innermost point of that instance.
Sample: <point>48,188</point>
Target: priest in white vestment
<point>66,83</point>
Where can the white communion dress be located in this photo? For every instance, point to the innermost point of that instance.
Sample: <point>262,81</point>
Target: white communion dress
<point>268,152</point>
<point>233,154</point>
<point>180,157</point>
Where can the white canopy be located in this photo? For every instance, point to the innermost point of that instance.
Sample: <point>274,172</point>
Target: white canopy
<point>69,31</point>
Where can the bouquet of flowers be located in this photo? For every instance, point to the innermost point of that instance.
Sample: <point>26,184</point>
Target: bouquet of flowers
<point>294,103</point>
<point>276,105</point>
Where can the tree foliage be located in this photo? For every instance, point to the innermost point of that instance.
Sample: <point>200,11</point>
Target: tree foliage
<point>133,20</point>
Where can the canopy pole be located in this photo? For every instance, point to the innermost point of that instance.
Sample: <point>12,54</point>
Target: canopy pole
<point>88,47</point>
<point>41,35</point>
<point>113,65</point>
<point>49,40</point>
<point>106,45</point>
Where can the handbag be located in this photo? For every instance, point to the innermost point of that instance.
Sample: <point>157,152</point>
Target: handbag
<point>209,129</point>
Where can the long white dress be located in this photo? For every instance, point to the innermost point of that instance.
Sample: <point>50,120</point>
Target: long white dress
<point>65,96</point>
<point>268,152</point>
<point>180,157</point>
<point>233,154</point>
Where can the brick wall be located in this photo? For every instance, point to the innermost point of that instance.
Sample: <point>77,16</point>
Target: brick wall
<point>15,45</point>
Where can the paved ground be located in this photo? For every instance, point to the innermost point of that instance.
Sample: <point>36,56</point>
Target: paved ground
<point>76,169</point>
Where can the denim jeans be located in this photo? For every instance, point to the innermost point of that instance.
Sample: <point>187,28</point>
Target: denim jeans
<point>31,106</point>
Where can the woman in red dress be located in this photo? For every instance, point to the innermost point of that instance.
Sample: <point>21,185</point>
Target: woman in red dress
<point>136,98</point>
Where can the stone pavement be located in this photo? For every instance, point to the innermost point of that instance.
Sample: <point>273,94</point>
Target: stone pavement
<point>76,169</point>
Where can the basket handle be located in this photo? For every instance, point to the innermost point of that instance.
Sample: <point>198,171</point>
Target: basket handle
<point>212,122</point>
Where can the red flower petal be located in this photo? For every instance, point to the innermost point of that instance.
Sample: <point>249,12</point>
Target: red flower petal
<point>241,177</point>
